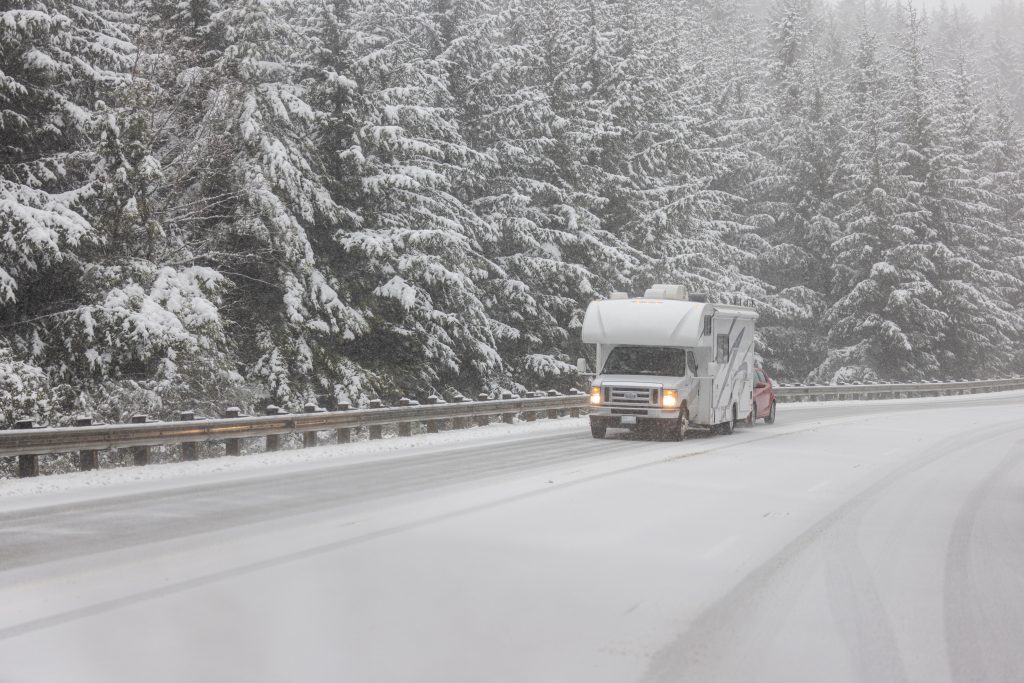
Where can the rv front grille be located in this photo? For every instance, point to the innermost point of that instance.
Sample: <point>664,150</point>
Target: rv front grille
<point>632,396</point>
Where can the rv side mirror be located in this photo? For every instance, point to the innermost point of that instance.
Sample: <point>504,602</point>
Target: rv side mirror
<point>581,366</point>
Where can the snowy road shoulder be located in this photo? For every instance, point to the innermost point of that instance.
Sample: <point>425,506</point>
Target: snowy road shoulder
<point>17,493</point>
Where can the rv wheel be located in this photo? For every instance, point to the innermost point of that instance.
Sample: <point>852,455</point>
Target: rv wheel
<point>673,431</point>
<point>598,428</point>
<point>728,427</point>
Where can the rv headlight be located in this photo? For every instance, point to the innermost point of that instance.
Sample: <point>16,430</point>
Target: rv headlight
<point>595,396</point>
<point>670,398</point>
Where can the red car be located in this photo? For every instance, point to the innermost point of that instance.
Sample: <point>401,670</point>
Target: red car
<point>764,397</point>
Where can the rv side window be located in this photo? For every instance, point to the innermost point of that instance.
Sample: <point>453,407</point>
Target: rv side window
<point>691,362</point>
<point>723,349</point>
<point>707,325</point>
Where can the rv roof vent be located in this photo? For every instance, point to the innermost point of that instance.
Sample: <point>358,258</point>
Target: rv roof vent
<point>676,292</point>
<point>618,295</point>
<point>700,298</point>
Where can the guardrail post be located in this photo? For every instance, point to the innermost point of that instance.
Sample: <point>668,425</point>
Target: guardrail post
<point>344,433</point>
<point>87,460</point>
<point>530,415</point>
<point>140,454</point>
<point>483,420</point>
<point>404,428</point>
<point>376,431</point>
<point>188,448</point>
<point>574,412</point>
<point>233,446</point>
<point>434,426</point>
<point>459,422</point>
<point>28,465</point>
<point>507,418</point>
<point>274,440</point>
<point>309,438</point>
<point>466,422</point>
<point>553,412</point>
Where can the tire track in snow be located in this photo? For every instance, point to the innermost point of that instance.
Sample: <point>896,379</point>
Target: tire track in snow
<point>735,627</point>
<point>856,606</point>
<point>232,573</point>
<point>979,634</point>
<point>126,520</point>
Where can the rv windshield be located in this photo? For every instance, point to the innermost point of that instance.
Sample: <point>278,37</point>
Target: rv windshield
<point>646,360</point>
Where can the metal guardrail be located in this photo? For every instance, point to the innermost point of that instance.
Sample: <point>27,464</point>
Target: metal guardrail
<point>797,392</point>
<point>28,443</point>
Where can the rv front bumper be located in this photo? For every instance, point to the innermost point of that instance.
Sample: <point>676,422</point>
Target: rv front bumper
<point>613,415</point>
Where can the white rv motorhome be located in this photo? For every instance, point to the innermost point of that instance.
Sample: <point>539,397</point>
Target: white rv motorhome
<point>670,363</point>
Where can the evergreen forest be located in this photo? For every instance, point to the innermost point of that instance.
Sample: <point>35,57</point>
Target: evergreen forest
<point>240,202</point>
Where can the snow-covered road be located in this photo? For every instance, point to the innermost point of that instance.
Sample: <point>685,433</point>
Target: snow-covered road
<point>848,542</point>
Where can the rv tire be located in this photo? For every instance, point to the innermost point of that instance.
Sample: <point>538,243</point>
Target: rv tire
<point>598,428</point>
<point>728,427</point>
<point>673,431</point>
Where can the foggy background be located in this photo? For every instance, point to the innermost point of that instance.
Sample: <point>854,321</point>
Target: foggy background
<point>979,7</point>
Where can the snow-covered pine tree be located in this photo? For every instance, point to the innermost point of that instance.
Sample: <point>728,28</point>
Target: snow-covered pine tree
<point>552,262</point>
<point>969,228</point>
<point>53,58</point>
<point>420,248</point>
<point>88,322</point>
<point>109,319</point>
<point>569,44</point>
<point>687,159</point>
<point>267,178</point>
<point>796,171</point>
<point>886,321</point>
<point>148,330</point>
<point>576,71</point>
<point>24,390</point>
<point>48,53</point>
<point>336,97</point>
<point>1005,54</point>
<point>1003,164</point>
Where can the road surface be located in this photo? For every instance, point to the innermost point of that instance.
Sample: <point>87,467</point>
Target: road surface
<point>881,541</point>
